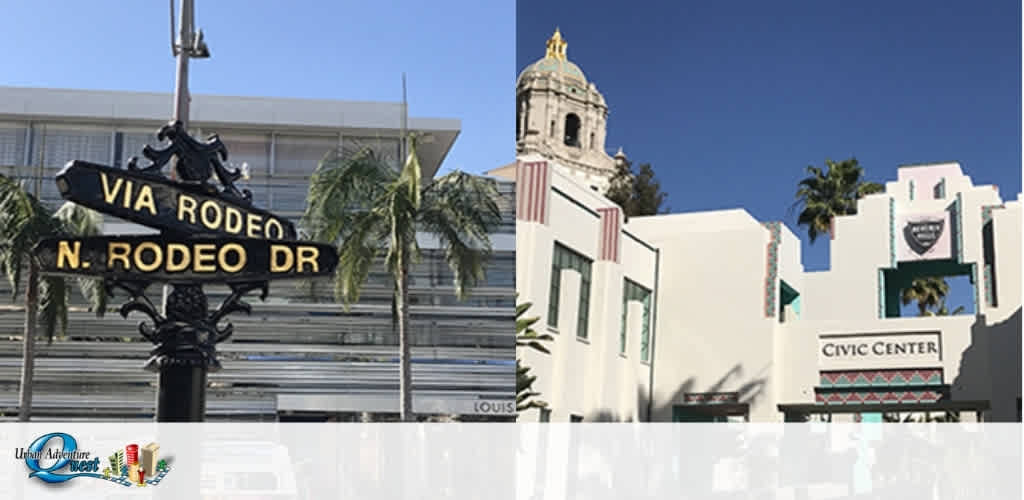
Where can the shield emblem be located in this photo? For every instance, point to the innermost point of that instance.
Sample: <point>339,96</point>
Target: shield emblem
<point>921,235</point>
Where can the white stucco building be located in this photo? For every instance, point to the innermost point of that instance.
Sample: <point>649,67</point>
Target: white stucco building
<point>710,316</point>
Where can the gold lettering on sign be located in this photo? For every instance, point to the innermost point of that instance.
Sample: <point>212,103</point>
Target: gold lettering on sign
<point>308,255</point>
<point>110,193</point>
<point>204,258</point>
<point>289,259</point>
<point>145,200</point>
<point>211,222</point>
<point>65,255</point>
<point>118,251</point>
<point>158,256</point>
<point>239,261</point>
<point>252,222</point>
<point>126,199</point>
<point>274,230</point>
<point>184,257</point>
<point>232,220</point>
<point>187,206</point>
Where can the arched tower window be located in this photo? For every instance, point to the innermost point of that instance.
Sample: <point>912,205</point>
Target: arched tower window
<point>572,130</point>
<point>591,140</point>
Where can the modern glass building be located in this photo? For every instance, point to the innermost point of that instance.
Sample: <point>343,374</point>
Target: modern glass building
<point>299,356</point>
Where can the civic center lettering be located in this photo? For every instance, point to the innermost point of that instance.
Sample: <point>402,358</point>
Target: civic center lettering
<point>867,350</point>
<point>880,348</point>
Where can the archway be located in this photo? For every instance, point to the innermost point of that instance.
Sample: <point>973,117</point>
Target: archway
<point>572,130</point>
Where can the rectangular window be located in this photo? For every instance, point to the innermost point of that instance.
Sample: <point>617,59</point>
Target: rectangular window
<point>634,292</point>
<point>575,418</point>
<point>12,144</point>
<point>545,415</point>
<point>564,258</point>
<point>388,149</point>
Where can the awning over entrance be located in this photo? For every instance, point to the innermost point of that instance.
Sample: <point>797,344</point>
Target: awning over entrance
<point>792,411</point>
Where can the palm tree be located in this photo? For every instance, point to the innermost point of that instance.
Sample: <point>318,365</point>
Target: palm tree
<point>358,202</point>
<point>824,195</point>
<point>927,292</point>
<point>24,221</point>
<point>943,311</point>
<point>527,337</point>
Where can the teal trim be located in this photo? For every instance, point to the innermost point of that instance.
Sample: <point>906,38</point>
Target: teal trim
<point>871,418</point>
<point>631,291</point>
<point>788,296</point>
<point>881,293</point>
<point>911,189</point>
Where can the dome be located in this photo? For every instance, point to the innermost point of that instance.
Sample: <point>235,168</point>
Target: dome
<point>555,61</point>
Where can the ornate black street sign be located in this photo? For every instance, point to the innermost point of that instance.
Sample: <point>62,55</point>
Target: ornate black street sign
<point>922,235</point>
<point>209,234</point>
<point>173,207</point>
<point>198,259</point>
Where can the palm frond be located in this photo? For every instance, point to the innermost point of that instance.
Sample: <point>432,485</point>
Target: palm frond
<point>461,210</point>
<point>357,255</point>
<point>24,220</point>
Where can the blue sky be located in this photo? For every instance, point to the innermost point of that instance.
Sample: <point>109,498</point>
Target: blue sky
<point>458,55</point>
<point>730,101</point>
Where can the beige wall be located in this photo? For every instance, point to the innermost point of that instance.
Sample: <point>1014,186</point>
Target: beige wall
<point>588,377</point>
<point>711,332</point>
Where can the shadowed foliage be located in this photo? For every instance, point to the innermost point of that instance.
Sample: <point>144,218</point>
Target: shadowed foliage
<point>527,337</point>
<point>24,221</point>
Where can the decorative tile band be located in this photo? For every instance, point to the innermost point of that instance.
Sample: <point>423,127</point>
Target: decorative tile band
<point>611,230</point>
<point>880,378</point>
<point>990,299</point>
<point>533,191</point>
<point>772,267</point>
<point>710,398</point>
<point>868,396</point>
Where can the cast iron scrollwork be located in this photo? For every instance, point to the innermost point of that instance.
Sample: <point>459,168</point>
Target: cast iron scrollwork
<point>196,162</point>
<point>189,332</point>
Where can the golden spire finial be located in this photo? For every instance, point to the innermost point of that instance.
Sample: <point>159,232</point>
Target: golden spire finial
<point>556,46</point>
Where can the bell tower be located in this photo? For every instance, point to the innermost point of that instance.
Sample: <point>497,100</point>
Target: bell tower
<point>562,117</point>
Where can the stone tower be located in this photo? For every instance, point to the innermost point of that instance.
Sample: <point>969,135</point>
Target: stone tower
<point>562,117</point>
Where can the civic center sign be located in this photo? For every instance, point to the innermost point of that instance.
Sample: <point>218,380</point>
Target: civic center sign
<point>902,350</point>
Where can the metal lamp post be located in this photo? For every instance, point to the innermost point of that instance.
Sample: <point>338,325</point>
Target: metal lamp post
<point>182,382</point>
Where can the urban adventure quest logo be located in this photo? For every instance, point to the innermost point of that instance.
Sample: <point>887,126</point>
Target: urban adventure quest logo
<point>129,466</point>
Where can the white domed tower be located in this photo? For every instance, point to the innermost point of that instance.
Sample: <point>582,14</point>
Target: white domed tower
<point>562,117</point>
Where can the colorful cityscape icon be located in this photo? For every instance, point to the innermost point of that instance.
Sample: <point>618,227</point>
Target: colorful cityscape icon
<point>136,466</point>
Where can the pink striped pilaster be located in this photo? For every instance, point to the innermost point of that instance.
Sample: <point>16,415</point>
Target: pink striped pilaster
<point>533,191</point>
<point>611,231</point>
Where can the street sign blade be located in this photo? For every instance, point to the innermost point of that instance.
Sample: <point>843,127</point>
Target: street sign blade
<point>199,259</point>
<point>176,207</point>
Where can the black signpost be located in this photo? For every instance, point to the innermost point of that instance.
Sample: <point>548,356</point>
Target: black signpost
<point>208,234</point>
